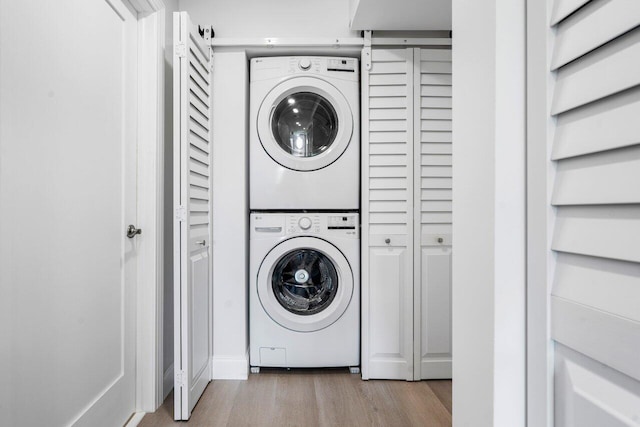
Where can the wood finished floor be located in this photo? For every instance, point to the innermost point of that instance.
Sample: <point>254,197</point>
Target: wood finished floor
<point>315,398</point>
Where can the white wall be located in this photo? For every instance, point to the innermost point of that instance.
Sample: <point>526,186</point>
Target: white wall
<point>274,18</point>
<point>230,215</point>
<point>488,213</point>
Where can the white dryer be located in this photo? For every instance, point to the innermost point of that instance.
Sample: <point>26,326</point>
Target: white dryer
<point>304,304</point>
<point>305,136</point>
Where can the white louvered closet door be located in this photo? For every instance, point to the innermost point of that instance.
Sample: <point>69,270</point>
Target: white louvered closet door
<point>192,227</point>
<point>432,213</point>
<point>406,210</point>
<point>387,235</point>
<point>595,301</point>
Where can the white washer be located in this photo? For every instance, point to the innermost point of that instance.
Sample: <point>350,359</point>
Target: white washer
<point>305,135</point>
<point>305,290</point>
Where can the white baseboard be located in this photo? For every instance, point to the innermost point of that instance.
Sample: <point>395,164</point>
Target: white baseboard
<point>167,382</point>
<point>230,368</point>
<point>135,419</point>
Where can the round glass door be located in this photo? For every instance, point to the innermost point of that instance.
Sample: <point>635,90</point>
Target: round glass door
<point>304,281</point>
<point>305,124</point>
<point>305,284</point>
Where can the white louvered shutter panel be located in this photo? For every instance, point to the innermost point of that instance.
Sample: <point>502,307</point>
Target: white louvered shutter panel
<point>192,228</point>
<point>595,301</point>
<point>432,213</point>
<point>387,149</point>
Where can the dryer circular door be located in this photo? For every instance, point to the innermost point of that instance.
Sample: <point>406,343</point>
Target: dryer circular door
<point>305,124</point>
<point>305,284</point>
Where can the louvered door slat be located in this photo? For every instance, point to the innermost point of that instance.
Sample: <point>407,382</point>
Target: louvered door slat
<point>599,23</point>
<point>607,70</point>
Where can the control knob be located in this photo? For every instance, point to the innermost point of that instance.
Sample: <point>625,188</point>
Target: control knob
<point>304,223</point>
<point>304,64</point>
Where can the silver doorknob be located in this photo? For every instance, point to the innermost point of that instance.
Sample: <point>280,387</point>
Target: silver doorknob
<point>201,242</point>
<point>132,231</point>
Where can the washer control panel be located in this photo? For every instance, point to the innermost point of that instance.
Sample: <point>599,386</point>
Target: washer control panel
<point>303,224</point>
<point>339,224</point>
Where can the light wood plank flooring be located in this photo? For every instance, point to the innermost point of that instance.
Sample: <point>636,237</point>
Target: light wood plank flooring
<point>315,398</point>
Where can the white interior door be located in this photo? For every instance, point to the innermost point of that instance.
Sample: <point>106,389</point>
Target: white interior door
<point>192,229</point>
<point>591,74</point>
<point>67,194</point>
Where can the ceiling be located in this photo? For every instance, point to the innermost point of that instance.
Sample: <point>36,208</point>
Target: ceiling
<point>404,15</point>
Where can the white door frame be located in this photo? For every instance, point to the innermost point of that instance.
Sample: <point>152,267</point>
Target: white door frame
<point>149,296</point>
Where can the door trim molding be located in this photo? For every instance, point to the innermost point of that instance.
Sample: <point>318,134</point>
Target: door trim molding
<point>150,166</point>
<point>540,260</point>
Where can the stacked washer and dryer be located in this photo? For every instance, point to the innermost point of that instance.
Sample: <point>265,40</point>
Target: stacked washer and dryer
<point>304,304</point>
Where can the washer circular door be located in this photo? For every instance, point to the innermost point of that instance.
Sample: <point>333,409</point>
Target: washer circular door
<point>305,124</point>
<point>305,284</point>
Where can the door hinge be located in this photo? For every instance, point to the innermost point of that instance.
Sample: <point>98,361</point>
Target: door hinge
<point>180,50</point>
<point>181,213</point>
<point>180,379</point>
<point>366,50</point>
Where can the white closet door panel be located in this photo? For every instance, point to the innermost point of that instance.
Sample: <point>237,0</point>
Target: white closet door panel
<point>564,8</point>
<point>591,282</point>
<point>436,182</point>
<point>603,178</point>
<point>435,351</point>
<point>591,394</point>
<point>435,218</point>
<point>592,26</point>
<point>608,70</point>
<point>600,231</point>
<point>603,125</point>
<point>192,227</point>
<point>606,337</point>
<point>390,344</point>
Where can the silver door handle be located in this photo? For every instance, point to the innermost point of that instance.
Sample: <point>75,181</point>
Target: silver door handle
<point>132,231</point>
<point>201,242</point>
